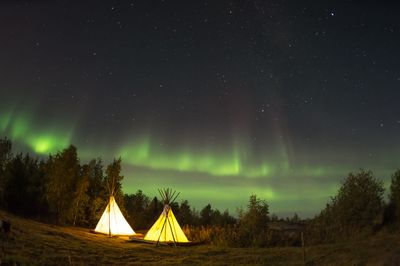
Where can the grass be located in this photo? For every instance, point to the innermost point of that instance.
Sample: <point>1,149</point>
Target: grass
<point>34,243</point>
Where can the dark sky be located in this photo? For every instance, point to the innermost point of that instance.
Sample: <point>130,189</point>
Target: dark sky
<point>217,99</point>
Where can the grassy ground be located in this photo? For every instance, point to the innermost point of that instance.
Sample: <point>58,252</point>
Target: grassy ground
<point>34,243</point>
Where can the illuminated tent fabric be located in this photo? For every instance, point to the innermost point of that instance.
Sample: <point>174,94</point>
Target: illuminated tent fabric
<point>166,228</point>
<point>112,222</point>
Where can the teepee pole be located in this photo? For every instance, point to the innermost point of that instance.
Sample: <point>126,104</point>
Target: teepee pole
<point>162,228</point>
<point>170,227</point>
<point>171,195</point>
<point>109,217</point>
<point>159,191</point>
<point>173,200</point>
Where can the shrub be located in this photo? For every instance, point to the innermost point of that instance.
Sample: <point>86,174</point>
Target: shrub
<point>357,208</point>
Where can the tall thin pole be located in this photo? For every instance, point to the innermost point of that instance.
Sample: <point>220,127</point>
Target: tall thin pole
<point>173,237</point>
<point>162,228</point>
<point>109,218</point>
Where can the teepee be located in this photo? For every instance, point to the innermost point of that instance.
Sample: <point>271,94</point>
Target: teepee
<point>113,222</point>
<point>166,228</point>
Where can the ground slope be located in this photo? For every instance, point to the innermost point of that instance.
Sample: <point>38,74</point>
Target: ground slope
<point>36,243</point>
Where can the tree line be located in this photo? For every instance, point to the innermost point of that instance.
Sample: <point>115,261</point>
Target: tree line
<point>60,189</point>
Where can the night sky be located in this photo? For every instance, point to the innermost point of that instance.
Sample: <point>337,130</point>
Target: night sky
<point>216,99</point>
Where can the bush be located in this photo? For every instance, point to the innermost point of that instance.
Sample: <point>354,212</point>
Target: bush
<point>253,223</point>
<point>251,230</point>
<point>215,235</point>
<point>357,208</point>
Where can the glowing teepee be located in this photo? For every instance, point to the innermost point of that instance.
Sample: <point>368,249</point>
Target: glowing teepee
<point>113,222</point>
<point>166,228</point>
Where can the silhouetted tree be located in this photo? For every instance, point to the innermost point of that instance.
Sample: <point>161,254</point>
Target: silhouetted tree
<point>359,201</point>
<point>5,157</point>
<point>5,152</point>
<point>274,218</point>
<point>253,223</point>
<point>113,183</point>
<point>62,172</point>
<point>227,219</point>
<point>295,218</point>
<point>185,216</point>
<point>209,216</point>
<point>175,207</point>
<point>154,210</point>
<point>205,215</point>
<point>358,206</point>
<point>23,186</point>
<point>80,198</point>
<point>136,205</point>
<point>394,197</point>
<point>97,192</point>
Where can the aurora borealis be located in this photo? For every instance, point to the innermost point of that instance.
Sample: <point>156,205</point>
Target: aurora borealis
<point>217,99</point>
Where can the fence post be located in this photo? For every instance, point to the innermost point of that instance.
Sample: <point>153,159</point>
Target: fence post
<point>304,248</point>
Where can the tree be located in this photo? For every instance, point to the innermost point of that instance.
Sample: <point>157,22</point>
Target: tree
<point>257,212</point>
<point>136,205</point>
<point>359,201</point>
<point>394,196</point>
<point>185,216</point>
<point>295,218</point>
<point>357,206</point>
<point>206,215</point>
<point>114,178</point>
<point>253,222</point>
<point>5,152</point>
<point>15,180</point>
<point>96,191</point>
<point>113,183</point>
<point>5,157</point>
<point>23,185</point>
<point>227,219</point>
<point>274,218</point>
<point>209,216</point>
<point>153,211</point>
<point>80,197</point>
<point>62,172</point>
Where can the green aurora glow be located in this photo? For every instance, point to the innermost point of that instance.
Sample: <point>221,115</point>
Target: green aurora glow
<point>20,127</point>
<point>224,178</point>
<point>143,153</point>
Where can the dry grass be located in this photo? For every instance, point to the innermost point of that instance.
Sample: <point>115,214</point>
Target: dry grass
<point>34,243</point>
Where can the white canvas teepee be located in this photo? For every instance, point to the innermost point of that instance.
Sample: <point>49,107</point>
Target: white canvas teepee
<point>113,222</point>
<point>166,228</point>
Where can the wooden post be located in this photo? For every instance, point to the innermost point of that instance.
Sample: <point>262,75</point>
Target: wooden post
<point>304,248</point>
<point>109,218</point>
